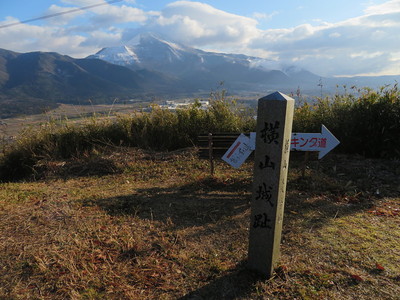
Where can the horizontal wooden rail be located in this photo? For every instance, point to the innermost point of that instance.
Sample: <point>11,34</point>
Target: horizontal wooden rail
<point>220,143</point>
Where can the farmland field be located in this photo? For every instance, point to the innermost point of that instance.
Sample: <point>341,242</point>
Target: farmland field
<point>12,126</point>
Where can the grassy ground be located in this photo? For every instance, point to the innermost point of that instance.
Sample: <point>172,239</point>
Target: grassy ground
<point>131,224</point>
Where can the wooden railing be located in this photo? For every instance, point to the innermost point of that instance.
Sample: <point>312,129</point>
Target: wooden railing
<point>216,143</point>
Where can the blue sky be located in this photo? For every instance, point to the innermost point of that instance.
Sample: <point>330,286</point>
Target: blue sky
<point>329,38</point>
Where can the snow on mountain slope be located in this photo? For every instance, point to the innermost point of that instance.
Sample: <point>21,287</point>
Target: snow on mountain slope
<point>201,69</point>
<point>122,55</point>
<point>150,51</point>
<point>143,51</point>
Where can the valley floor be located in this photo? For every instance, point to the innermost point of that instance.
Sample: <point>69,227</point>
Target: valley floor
<point>11,127</point>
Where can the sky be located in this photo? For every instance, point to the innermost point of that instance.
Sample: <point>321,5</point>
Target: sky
<point>329,38</point>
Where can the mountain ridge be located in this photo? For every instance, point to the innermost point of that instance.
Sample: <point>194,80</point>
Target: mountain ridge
<point>36,80</point>
<point>201,70</point>
<point>150,66</point>
<point>152,52</point>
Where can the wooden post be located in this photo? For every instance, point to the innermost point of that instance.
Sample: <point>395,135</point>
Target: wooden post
<point>304,166</point>
<point>210,153</point>
<point>273,135</point>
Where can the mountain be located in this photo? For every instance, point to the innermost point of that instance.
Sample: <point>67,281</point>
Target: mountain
<point>56,77</point>
<point>149,66</point>
<point>43,79</point>
<point>199,69</point>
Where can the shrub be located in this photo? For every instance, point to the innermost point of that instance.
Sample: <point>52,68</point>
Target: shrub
<point>366,124</point>
<point>159,129</point>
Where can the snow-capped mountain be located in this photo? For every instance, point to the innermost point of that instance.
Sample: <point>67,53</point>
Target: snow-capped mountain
<point>199,69</point>
<point>146,67</point>
<point>148,50</point>
<point>121,55</point>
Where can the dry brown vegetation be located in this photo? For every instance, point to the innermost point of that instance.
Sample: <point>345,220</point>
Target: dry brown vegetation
<point>94,220</point>
<point>131,224</point>
<point>13,126</point>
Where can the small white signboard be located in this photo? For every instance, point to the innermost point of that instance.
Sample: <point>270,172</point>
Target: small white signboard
<point>238,152</point>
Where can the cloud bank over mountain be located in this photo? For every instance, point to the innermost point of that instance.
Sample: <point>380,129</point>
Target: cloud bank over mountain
<point>368,44</point>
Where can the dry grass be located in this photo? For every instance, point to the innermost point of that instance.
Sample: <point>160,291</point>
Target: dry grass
<point>13,126</point>
<point>131,224</point>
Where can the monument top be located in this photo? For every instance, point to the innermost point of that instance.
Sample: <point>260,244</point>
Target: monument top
<point>277,96</point>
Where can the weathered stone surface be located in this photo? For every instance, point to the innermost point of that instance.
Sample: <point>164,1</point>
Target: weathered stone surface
<point>274,128</point>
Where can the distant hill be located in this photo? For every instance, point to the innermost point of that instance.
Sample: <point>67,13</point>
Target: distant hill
<point>38,79</point>
<point>150,66</point>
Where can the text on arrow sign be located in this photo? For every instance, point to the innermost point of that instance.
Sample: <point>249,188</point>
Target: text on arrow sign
<point>243,146</point>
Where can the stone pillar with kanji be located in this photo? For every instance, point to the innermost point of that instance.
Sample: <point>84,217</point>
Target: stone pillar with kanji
<point>273,135</point>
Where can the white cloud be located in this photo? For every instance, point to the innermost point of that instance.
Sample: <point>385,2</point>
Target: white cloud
<point>384,8</point>
<point>335,35</point>
<point>102,38</point>
<point>27,38</point>
<point>63,18</point>
<point>366,44</point>
<point>108,15</point>
<point>82,3</point>
<point>199,24</point>
<point>264,16</point>
<point>64,35</point>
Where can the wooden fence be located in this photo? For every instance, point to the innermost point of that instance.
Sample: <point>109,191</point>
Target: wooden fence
<point>216,143</point>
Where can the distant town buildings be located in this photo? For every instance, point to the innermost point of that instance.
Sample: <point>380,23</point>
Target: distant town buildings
<point>174,105</point>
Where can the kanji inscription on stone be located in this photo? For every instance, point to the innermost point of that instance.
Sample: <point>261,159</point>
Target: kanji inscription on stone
<point>272,143</point>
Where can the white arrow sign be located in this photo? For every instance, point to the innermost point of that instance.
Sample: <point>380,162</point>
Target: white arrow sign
<point>323,142</point>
